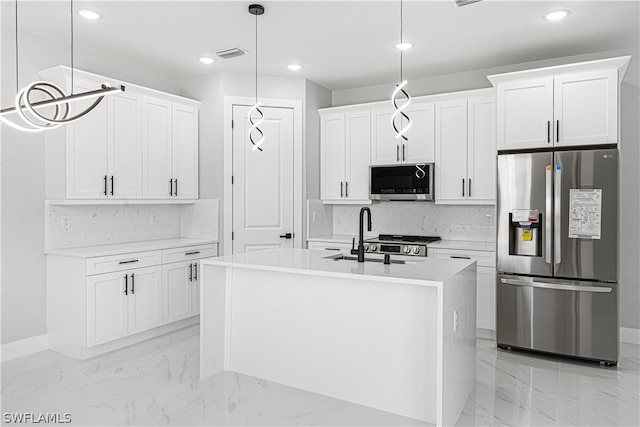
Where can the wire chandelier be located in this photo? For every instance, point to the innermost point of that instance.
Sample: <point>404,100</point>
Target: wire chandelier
<point>398,113</point>
<point>255,134</point>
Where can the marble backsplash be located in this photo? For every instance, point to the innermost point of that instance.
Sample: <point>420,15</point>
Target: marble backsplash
<point>450,222</point>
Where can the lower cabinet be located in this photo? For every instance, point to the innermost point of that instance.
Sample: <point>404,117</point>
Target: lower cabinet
<point>180,290</point>
<point>486,282</point>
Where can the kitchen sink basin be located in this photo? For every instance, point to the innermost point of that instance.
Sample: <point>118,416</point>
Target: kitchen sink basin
<point>343,257</point>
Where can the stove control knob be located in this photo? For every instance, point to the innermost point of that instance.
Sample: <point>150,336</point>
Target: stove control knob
<point>416,250</point>
<point>374,247</point>
<point>366,247</point>
<point>407,250</point>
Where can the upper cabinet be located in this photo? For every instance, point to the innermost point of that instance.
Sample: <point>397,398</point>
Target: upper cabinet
<point>137,144</point>
<point>561,106</point>
<point>386,149</point>
<point>344,145</point>
<point>466,149</point>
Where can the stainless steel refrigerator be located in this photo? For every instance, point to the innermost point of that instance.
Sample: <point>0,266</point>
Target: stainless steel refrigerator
<point>557,253</point>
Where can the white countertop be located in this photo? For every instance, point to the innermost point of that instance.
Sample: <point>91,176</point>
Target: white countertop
<point>441,244</point>
<point>129,247</point>
<point>334,238</point>
<point>427,272</point>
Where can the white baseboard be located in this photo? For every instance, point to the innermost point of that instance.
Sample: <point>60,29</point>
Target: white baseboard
<point>630,335</point>
<point>15,349</point>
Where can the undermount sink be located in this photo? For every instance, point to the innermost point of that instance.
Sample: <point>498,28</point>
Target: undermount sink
<point>343,257</point>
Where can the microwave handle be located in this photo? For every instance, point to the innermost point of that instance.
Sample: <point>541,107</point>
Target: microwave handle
<point>398,152</point>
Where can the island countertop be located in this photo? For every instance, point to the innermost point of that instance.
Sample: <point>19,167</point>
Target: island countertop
<point>426,272</point>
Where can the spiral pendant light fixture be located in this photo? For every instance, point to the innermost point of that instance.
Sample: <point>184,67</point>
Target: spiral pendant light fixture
<point>398,113</point>
<point>255,134</point>
<point>26,109</point>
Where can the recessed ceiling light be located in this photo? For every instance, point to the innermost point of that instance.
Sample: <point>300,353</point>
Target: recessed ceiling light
<point>89,14</point>
<point>404,45</point>
<point>206,60</point>
<point>556,15</point>
<point>294,67</point>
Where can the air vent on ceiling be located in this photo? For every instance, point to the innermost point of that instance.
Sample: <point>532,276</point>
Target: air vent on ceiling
<point>460,3</point>
<point>231,52</point>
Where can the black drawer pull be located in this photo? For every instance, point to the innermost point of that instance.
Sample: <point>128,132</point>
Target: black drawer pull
<point>192,253</point>
<point>331,249</point>
<point>191,272</point>
<point>129,262</point>
<point>460,257</point>
<point>132,283</point>
<point>126,283</point>
<point>195,271</point>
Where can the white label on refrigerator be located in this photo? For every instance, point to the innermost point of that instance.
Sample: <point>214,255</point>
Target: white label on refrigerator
<point>585,213</point>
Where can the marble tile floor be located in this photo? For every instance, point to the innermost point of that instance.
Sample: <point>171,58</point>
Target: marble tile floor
<point>156,383</point>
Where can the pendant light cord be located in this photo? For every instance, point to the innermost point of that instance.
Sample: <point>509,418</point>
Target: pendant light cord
<point>17,85</point>
<point>401,25</point>
<point>256,58</point>
<point>71,7</point>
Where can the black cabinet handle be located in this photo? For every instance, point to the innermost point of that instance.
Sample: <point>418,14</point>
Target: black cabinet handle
<point>346,189</point>
<point>469,187</point>
<point>191,272</point>
<point>286,236</point>
<point>132,284</point>
<point>557,130</point>
<point>192,253</point>
<point>459,257</point>
<point>403,154</point>
<point>171,187</point>
<point>462,187</point>
<point>548,131</point>
<point>176,192</point>
<point>105,185</point>
<point>195,271</point>
<point>398,152</point>
<point>131,261</point>
<point>126,283</point>
<point>112,185</point>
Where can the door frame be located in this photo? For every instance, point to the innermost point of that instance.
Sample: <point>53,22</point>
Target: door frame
<point>299,182</point>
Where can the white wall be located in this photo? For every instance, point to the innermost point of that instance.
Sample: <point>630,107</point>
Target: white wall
<point>23,179</point>
<point>629,248</point>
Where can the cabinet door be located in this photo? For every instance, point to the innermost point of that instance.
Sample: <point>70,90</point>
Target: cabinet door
<point>451,150</point>
<point>385,147</point>
<point>106,308</point>
<point>87,148</point>
<point>525,114</point>
<point>481,150</point>
<point>420,146</point>
<point>333,162</point>
<point>195,289</point>
<point>144,299</point>
<point>176,291</point>
<point>358,155</point>
<point>586,108</point>
<point>486,298</point>
<point>156,148</point>
<point>124,137</point>
<point>185,151</point>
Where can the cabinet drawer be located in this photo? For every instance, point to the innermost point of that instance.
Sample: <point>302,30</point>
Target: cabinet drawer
<point>188,252</point>
<point>121,262</point>
<point>332,247</point>
<point>484,259</point>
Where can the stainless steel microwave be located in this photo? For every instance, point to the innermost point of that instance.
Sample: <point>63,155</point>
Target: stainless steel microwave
<point>402,182</point>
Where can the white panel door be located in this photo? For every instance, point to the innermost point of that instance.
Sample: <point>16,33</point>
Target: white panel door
<point>481,150</point>
<point>87,148</point>
<point>332,154</point>
<point>263,181</point>
<point>451,150</point>
<point>185,151</point>
<point>106,308</point>
<point>357,150</point>
<point>156,148</point>
<point>145,299</point>
<point>176,291</point>
<point>525,114</point>
<point>420,146</point>
<point>385,148</point>
<point>586,108</point>
<point>125,131</point>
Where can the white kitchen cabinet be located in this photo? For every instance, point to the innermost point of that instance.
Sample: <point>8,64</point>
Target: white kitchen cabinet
<point>181,290</point>
<point>563,106</point>
<point>144,299</point>
<point>345,152</point>
<point>486,281</point>
<point>465,150</point>
<point>184,151</point>
<point>386,149</point>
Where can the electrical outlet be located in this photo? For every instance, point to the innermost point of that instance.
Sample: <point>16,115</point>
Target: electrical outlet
<point>154,218</point>
<point>488,219</point>
<point>66,222</point>
<point>455,320</point>
<point>314,217</point>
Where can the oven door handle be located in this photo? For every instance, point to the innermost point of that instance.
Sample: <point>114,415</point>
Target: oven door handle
<point>557,286</point>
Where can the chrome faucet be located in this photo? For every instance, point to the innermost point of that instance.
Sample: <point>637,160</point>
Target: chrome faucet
<point>360,250</point>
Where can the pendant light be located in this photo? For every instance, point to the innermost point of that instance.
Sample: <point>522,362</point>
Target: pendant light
<point>398,113</point>
<point>26,109</point>
<point>255,134</point>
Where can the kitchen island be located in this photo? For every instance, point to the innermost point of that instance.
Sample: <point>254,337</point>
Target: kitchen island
<point>399,337</point>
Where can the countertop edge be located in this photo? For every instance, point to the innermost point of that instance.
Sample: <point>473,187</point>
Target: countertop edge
<point>129,247</point>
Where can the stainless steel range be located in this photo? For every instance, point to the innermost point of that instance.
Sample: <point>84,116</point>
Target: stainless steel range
<point>399,244</point>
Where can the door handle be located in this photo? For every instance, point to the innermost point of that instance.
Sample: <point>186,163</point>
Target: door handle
<point>176,192</point>
<point>403,152</point>
<point>346,189</point>
<point>191,272</point>
<point>195,271</point>
<point>462,187</point>
<point>556,286</point>
<point>557,130</point>
<point>286,236</point>
<point>112,185</point>
<point>133,283</point>
<point>171,187</point>
<point>547,216</point>
<point>341,190</point>
<point>126,283</point>
<point>105,185</point>
<point>469,187</point>
<point>398,152</point>
<point>548,131</point>
<point>557,218</point>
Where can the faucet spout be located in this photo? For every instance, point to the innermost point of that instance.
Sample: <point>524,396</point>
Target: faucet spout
<point>360,250</point>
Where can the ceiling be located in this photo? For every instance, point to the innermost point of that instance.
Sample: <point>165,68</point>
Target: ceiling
<point>342,44</point>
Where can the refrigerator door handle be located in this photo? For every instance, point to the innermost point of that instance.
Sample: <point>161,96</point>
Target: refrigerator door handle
<point>557,226</point>
<point>557,286</point>
<point>547,216</point>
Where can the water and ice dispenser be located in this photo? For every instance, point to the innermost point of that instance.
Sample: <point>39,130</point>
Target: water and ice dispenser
<point>525,232</point>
